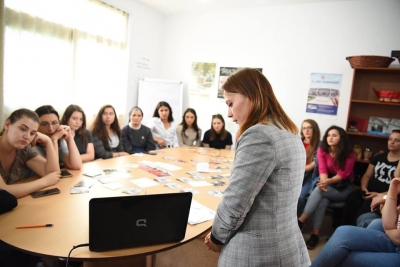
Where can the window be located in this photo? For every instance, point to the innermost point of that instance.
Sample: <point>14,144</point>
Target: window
<point>64,52</point>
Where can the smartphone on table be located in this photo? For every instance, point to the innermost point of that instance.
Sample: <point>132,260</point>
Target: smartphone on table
<point>47,192</point>
<point>65,174</point>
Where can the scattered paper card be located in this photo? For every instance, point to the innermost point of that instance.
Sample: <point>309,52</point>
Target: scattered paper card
<point>173,186</point>
<point>162,180</point>
<point>132,191</point>
<point>199,213</point>
<point>184,180</point>
<point>113,186</point>
<point>215,193</point>
<point>93,173</point>
<point>107,179</point>
<point>219,183</point>
<point>202,167</point>
<point>194,191</point>
<point>199,183</point>
<point>144,182</point>
<point>85,182</point>
<point>79,190</point>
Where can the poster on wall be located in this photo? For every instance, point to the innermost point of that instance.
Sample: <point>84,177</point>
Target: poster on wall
<point>224,73</point>
<point>324,93</point>
<point>202,79</point>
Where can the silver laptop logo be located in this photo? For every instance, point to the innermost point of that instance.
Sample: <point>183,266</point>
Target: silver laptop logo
<point>141,222</point>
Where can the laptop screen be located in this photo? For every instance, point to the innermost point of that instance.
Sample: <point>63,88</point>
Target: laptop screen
<point>123,222</point>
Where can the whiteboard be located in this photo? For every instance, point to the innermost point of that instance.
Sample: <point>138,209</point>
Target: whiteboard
<point>152,91</point>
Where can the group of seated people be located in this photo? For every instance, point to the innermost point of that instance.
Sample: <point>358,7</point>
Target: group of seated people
<point>39,142</point>
<point>328,178</point>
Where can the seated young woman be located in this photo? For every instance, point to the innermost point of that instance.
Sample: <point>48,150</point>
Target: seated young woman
<point>20,160</point>
<point>75,118</point>
<point>107,134</point>
<point>188,132</point>
<point>310,135</point>
<point>217,137</point>
<point>335,164</point>
<point>376,245</point>
<point>60,135</point>
<point>136,137</point>
<point>162,126</point>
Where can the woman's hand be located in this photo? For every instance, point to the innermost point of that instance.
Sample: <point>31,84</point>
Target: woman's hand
<point>394,188</point>
<point>161,142</point>
<point>323,184</point>
<point>40,139</point>
<point>61,132</point>
<point>52,178</point>
<point>211,246</point>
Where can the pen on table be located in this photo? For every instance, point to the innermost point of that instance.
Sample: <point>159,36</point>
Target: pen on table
<point>34,226</point>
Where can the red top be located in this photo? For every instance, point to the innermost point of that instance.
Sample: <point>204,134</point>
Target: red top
<point>325,165</point>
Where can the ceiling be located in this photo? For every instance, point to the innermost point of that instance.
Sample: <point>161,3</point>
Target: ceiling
<point>179,7</point>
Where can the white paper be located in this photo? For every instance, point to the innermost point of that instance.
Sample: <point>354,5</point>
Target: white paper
<point>144,182</point>
<point>113,186</point>
<point>138,155</point>
<point>199,183</point>
<point>199,213</point>
<point>168,167</point>
<point>202,167</point>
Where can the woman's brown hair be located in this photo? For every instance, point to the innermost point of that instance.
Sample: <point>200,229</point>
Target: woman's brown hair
<point>99,129</point>
<point>252,84</point>
<point>82,130</point>
<point>315,138</point>
<point>222,133</point>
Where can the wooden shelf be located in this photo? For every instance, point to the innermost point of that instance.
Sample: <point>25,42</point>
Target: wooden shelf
<point>375,102</point>
<point>368,135</point>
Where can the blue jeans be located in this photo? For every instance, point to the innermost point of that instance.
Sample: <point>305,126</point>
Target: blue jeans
<point>319,201</point>
<point>305,192</point>
<point>352,246</point>
<point>365,219</point>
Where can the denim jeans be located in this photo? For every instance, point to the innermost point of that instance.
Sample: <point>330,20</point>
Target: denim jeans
<point>319,201</point>
<point>352,246</point>
<point>305,192</point>
<point>365,219</point>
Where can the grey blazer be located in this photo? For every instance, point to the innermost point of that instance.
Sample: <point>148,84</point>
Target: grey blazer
<point>256,219</point>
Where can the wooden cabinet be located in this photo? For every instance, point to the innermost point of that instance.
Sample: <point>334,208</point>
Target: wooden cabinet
<point>364,103</point>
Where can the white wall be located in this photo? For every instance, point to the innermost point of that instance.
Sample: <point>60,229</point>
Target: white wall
<point>288,42</point>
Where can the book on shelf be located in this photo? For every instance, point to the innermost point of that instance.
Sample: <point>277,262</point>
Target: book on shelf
<point>357,125</point>
<point>394,124</point>
<point>378,126</point>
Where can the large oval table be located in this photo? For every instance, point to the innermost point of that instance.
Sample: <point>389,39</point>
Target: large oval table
<point>69,212</point>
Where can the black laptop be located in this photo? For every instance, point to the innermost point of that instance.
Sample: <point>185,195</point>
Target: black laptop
<point>123,222</point>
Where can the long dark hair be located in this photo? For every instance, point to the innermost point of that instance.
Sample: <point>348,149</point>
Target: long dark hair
<point>344,147</point>
<point>19,114</point>
<point>252,84</point>
<point>163,104</point>
<point>194,125</point>
<point>213,133</point>
<point>67,115</point>
<point>315,138</point>
<point>99,129</point>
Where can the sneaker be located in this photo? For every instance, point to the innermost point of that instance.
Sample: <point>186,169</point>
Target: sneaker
<point>312,242</point>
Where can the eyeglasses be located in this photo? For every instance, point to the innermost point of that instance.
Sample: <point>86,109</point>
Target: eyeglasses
<point>307,128</point>
<point>46,124</point>
<point>394,140</point>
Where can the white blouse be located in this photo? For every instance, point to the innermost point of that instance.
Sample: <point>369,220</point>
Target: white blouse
<point>168,135</point>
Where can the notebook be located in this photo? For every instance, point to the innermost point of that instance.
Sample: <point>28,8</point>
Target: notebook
<point>130,221</point>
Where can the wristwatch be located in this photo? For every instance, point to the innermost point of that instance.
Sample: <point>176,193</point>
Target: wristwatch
<point>384,197</point>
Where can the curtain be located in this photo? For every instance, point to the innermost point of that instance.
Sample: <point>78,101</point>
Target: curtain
<point>64,52</point>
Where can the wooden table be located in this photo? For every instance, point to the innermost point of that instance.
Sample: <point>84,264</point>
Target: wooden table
<point>69,212</point>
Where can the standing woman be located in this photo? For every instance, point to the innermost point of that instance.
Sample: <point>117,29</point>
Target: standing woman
<point>107,134</point>
<point>75,118</point>
<point>162,126</point>
<point>188,132</point>
<point>255,223</point>
<point>19,160</point>
<point>310,135</point>
<point>335,164</point>
<point>217,137</point>
<point>60,135</point>
<point>136,137</point>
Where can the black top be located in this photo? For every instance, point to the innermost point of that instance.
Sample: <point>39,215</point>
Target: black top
<point>217,142</point>
<point>383,173</point>
<point>79,142</point>
<point>7,201</point>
